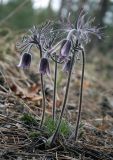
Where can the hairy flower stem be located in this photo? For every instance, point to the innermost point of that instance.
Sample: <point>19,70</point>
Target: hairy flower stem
<point>43,101</point>
<point>65,99</point>
<point>54,95</point>
<point>80,98</point>
<point>43,91</point>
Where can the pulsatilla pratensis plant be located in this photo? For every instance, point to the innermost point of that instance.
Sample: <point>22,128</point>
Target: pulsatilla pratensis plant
<point>61,44</point>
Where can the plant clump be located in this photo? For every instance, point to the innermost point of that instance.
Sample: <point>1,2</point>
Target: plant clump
<point>50,126</point>
<point>60,44</point>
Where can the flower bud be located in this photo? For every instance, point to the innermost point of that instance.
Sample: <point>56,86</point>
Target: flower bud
<point>65,48</point>
<point>25,60</point>
<point>44,66</point>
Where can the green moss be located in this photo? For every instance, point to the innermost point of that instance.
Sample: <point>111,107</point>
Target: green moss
<point>28,119</point>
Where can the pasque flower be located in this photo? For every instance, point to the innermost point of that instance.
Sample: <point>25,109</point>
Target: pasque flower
<point>47,38</point>
<point>25,60</point>
<point>44,66</point>
<point>65,48</point>
<point>81,31</point>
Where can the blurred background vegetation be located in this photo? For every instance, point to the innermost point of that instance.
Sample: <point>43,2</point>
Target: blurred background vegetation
<point>19,15</point>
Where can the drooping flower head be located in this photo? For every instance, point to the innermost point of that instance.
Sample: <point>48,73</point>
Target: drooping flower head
<point>25,60</point>
<point>44,66</point>
<point>65,48</point>
<point>42,38</point>
<point>82,30</point>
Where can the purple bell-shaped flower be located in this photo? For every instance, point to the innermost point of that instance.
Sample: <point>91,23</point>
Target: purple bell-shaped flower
<point>44,66</point>
<point>25,60</point>
<point>65,48</point>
